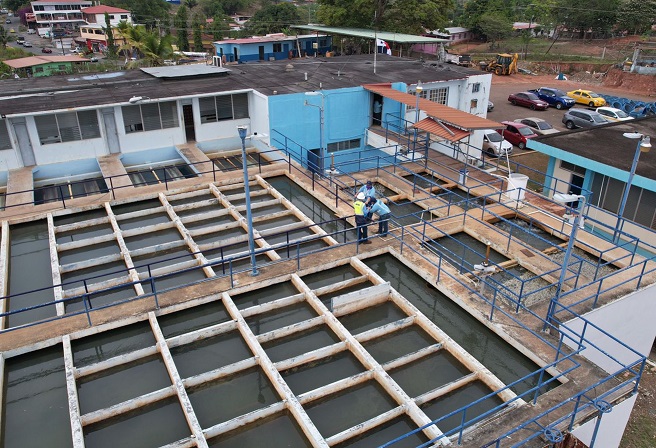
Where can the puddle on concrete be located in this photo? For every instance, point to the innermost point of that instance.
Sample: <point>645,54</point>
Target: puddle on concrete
<point>299,343</point>
<point>265,295</point>
<point>239,394</point>
<point>35,401</point>
<point>210,353</point>
<point>457,399</point>
<point>29,269</point>
<point>192,319</point>
<point>277,431</point>
<point>493,352</point>
<point>103,346</point>
<point>464,251</point>
<point>127,430</point>
<point>322,372</point>
<point>364,401</point>
<point>121,383</point>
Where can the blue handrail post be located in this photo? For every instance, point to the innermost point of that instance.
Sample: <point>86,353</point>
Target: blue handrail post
<point>61,193</point>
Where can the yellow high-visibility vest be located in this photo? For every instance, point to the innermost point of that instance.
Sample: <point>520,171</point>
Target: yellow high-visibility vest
<point>358,207</point>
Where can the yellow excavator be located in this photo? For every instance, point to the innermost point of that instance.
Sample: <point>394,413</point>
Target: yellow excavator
<point>505,64</point>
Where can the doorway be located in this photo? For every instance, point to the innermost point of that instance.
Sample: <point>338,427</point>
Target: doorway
<point>261,52</point>
<point>236,55</point>
<point>377,110</point>
<point>576,187</point>
<point>188,117</point>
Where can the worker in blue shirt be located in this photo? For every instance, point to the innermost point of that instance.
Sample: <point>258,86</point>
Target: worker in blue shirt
<point>360,210</point>
<point>368,190</point>
<point>378,207</point>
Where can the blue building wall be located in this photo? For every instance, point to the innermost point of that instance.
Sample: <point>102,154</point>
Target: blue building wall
<point>347,115</point>
<point>248,52</point>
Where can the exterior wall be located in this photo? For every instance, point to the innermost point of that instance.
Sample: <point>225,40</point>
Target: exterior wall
<point>347,111</point>
<point>160,138</point>
<point>51,17</point>
<point>51,69</point>
<point>468,96</point>
<point>221,129</point>
<point>248,52</point>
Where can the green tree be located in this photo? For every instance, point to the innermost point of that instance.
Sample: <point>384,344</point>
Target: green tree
<point>273,18</point>
<point>495,26</point>
<point>197,27</point>
<point>211,8</point>
<point>147,12</point>
<point>111,45</point>
<point>152,48</point>
<point>180,23</point>
<point>636,16</point>
<point>409,16</point>
<point>3,37</point>
<point>15,5</point>
<point>191,4</point>
<point>598,16</point>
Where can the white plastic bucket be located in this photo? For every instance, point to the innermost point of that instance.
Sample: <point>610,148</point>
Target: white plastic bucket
<point>517,186</point>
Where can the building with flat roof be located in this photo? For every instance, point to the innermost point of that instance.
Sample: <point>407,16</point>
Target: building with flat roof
<point>58,14</point>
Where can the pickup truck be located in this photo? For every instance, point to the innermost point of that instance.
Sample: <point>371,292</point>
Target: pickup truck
<point>458,59</point>
<point>555,97</point>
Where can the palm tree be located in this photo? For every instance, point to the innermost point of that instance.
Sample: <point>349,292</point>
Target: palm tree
<point>151,48</point>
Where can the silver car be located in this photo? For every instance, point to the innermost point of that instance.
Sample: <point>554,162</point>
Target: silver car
<point>580,118</point>
<point>537,125</point>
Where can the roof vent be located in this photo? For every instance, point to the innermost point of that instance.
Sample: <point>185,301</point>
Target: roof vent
<point>289,68</point>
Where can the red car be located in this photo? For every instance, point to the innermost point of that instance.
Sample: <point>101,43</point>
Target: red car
<point>46,50</point>
<point>528,99</point>
<point>516,133</point>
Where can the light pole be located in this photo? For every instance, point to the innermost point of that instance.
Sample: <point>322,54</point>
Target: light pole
<point>643,146</point>
<point>566,199</point>
<point>249,217</point>
<point>418,91</point>
<point>322,151</point>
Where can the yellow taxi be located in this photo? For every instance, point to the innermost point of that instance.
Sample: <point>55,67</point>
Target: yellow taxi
<point>587,97</point>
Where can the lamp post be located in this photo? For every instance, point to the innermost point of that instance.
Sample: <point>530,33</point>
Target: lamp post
<point>418,91</point>
<point>249,217</point>
<point>322,151</point>
<point>643,146</point>
<point>566,199</point>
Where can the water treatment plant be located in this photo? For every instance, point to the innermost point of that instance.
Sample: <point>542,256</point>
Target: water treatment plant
<point>158,294</point>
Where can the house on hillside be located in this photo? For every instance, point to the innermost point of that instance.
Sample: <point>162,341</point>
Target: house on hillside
<point>58,14</point>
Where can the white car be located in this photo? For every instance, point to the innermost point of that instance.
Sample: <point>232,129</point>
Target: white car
<point>612,114</point>
<point>494,144</point>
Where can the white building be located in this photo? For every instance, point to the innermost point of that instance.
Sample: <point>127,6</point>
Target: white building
<point>96,14</point>
<point>58,14</point>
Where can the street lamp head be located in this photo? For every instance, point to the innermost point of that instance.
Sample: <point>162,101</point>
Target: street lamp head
<point>567,198</point>
<point>419,87</point>
<point>645,140</point>
<point>242,131</point>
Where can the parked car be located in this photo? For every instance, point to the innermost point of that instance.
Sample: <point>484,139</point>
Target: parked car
<point>537,125</point>
<point>93,59</point>
<point>587,97</point>
<point>31,31</point>
<point>490,106</point>
<point>554,97</point>
<point>613,114</point>
<point>494,144</point>
<point>27,44</point>
<point>20,40</point>
<point>528,99</point>
<point>516,133</point>
<point>46,50</point>
<point>7,21</point>
<point>580,118</point>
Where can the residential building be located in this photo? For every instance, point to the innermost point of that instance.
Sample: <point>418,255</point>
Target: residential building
<point>95,38</point>
<point>58,14</point>
<point>39,66</point>
<point>272,47</point>
<point>96,15</point>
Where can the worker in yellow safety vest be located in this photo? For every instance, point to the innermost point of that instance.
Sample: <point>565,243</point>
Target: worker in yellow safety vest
<point>360,210</point>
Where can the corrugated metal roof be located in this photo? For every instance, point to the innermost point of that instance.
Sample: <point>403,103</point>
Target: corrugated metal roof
<point>183,71</point>
<point>371,34</point>
<point>31,61</point>
<point>440,130</point>
<point>439,112</point>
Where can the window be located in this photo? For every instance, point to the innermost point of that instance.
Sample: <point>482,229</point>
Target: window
<point>61,67</point>
<point>111,16</point>
<point>607,193</point>
<point>344,145</point>
<point>124,17</point>
<point>422,94</point>
<point>277,48</point>
<point>476,87</point>
<point>38,69</point>
<point>150,117</point>
<point>440,95</point>
<point>67,127</point>
<point>573,168</point>
<point>5,142</point>
<point>224,107</point>
<point>473,103</point>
